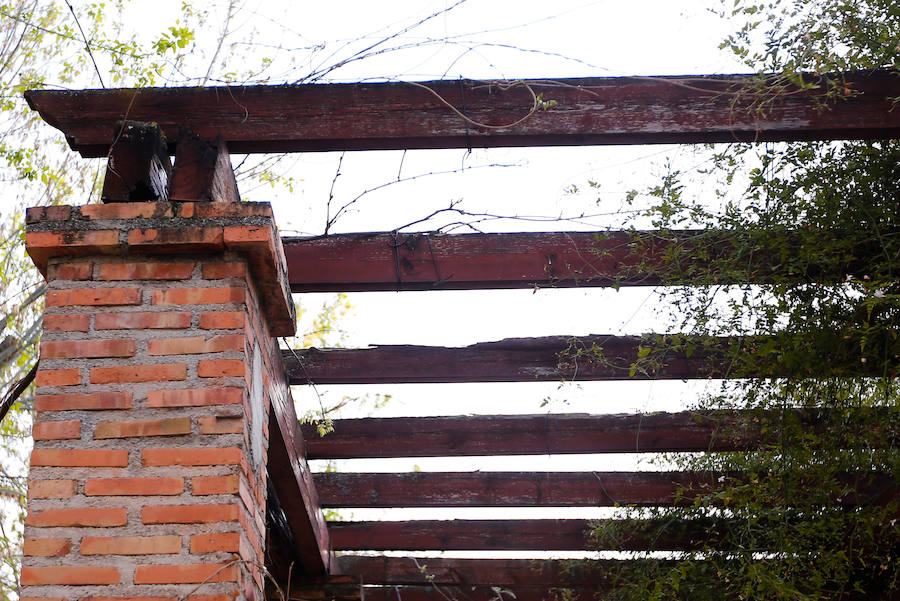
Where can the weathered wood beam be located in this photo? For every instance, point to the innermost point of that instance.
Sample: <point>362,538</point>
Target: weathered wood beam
<point>138,166</point>
<point>554,434</point>
<point>482,593</point>
<point>511,360</point>
<point>549,489</point>
<point>545,434</point>
<point>586,358</point>
<point>369,116</point>
<point>510,489</point>
<point>385,261</point>
<point>293,485</point>
<point>460,535</point>
<point>512,535</point>
<point>202,170</point>
<point>460,572</point>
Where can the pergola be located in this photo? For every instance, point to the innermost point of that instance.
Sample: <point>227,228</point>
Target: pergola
<point>202,125</point>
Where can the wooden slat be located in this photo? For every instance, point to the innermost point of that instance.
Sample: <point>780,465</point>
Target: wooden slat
<point>510,360</point>
<point>497,572</point>
<point>509,489</point>
<point>293,485</point>
<point>384,261</point>
<point>616,110</point>
<point>586,358</point>
<point>483,593</point>
<point>460,535</point>
<point>512,535</point>
<point>544,434</point>
<point>551,489</point>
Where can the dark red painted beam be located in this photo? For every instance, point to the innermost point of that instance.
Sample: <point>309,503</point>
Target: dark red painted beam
<point>460,535</point>
<point>383,261</point>
<point>511,360</point>
<point>586,358</point>
<point>483,593</point>
<point>546,489</point>
<point>554,434</point>
<point>292,481</point>
<point>512,535</point>
<point>458,572</point>
<point>545,434</point>
<point>509,489</point>
<point>615,110</point>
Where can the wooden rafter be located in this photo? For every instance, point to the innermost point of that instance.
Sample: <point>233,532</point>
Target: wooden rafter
<point>384,261</point>
<point>554,358</point>
<point>369,116</point>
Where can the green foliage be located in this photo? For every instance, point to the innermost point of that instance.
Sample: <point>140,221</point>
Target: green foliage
<point>812,512</point>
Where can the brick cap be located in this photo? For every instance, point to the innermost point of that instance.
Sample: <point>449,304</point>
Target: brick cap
<point>167,228</point>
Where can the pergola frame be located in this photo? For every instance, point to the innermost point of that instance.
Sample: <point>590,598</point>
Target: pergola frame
<point>202,125</point>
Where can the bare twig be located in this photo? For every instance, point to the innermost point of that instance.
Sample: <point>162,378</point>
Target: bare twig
<point>221,41</point>
<point>16,391</point>
<point>329,221</point>
<point>87,45</point>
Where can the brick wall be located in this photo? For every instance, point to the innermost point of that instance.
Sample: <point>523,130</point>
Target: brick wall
<point>157,369</point>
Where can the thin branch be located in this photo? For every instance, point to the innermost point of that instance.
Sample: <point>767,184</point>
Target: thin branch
<point>16,391</point>
<point>87,45</point>
<point>328,219</point>
<point>362,194</point>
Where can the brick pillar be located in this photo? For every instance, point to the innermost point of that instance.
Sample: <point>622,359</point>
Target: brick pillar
<point>157,370</point>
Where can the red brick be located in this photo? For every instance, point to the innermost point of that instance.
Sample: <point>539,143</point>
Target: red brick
<point>43,599</point>
<point>94,297</point>
<point>67,349</point>
<point>58,377</point>
<point>99,241</point>
<point>189,514</point>
<point>205,598</point>
<point>183,456</point>
<point>185,574</point>
<point>79,458</point>
<point>219,424</point>
<point>97,401</point>
<point>139,373</point>
<point>133,486</point>
<point>146,271</point>
<point>214,485</point>
<point>198,296</point>
<point>66,322</point>
<point>69,575</point>
<point>215,368</point>
<point>51,489</point>
<point>181,238</point>
<point>71,271</point>
<point>93,517</point>
<point>221,271</point>
<point>222,320</point>
<point>56,430</point>
<point>151,427</point>
<point>127,210</point>
<point>241,235</point>
<point>195,397</point>
<point>196,344</point>
<point>46,547</point>
<point>211,543</point>
<point>130,545</point>
<point>50,213</point>
<point>165,320</point>
<point>212,210</point>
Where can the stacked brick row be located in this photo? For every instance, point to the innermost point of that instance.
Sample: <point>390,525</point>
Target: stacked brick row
<point>147,477</point>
